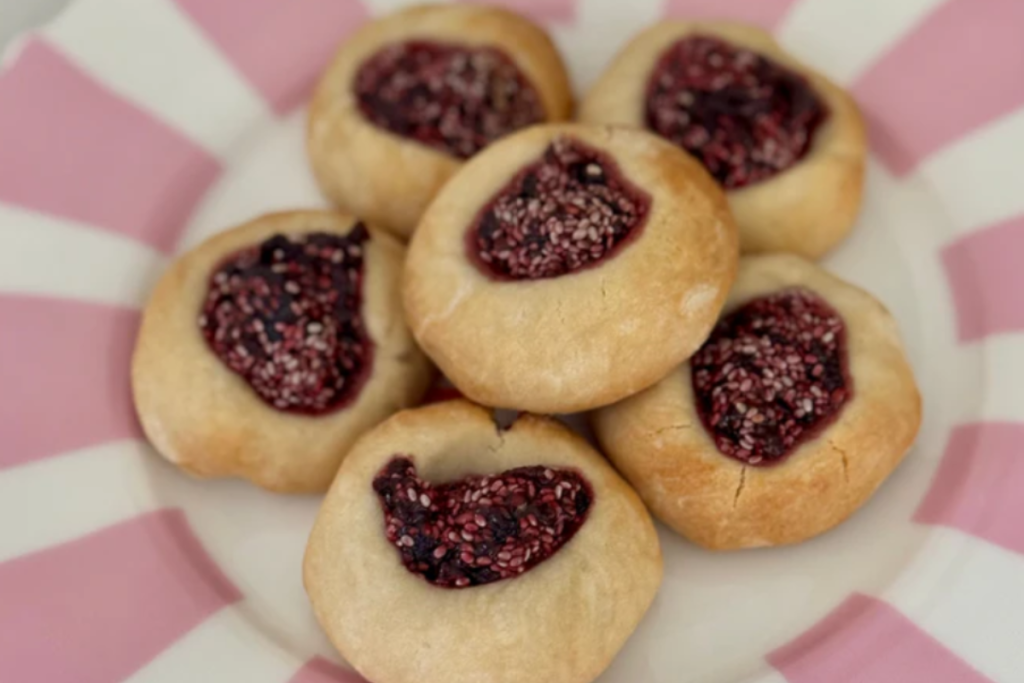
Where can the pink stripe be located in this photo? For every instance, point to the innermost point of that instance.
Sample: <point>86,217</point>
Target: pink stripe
<point>97,609</point>
<point>319,670</point>
<point>559,11</point>
<point>765,13</point>
<point>65,368</point>
<point>72,148</point>
<point>279,47</point>
<point>984,273</point>
<point>979,483</point>
<point>959,69</point>
<point>865,640</point>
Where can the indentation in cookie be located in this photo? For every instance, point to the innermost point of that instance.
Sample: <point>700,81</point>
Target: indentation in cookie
<point>286,316</point>
<point>569,210</point>
<point>742,115</point>
<point>772,375</point>
<point>456,99</point>
<point>480,529</point>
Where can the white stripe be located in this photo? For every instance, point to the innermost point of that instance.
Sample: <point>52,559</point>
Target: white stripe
<point>601,29</point>
<point>843,37</point>
<point>1003,377</point>
<point>51,256</point>
<point>10,54</point>
<point>969,595</point>
<point>254,184</point>
<point>225,647</point>
<point>63,498</point>
<point>380,8</point>
<point>960,392</point>
<point>152,54</point>
<point>978,178</point>
<point>771,676</point>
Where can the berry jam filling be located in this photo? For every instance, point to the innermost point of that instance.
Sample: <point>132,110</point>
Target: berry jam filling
<point>453,99</point>
<point>285,315</point>
<point>743,116</point>
<point>566,211</point>
<point>772,375</point>
<point>480,529</point>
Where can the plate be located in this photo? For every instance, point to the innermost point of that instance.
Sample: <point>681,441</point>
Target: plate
<point>130,130</point>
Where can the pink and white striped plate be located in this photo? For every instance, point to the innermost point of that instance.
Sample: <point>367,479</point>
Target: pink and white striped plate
<point>131,129</point>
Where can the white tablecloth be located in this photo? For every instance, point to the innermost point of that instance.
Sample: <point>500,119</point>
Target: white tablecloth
<point>22,15</point>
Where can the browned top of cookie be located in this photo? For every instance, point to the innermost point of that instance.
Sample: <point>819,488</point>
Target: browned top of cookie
<point>365,579</point>
<point>568,266</point>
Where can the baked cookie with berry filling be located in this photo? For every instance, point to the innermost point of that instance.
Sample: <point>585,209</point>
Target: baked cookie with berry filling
<point>453,550</point>
<point>785,422</point>
<point>787,145</point>
<point>409,97</point>
<point>265,351</point>
<point>569,266</point>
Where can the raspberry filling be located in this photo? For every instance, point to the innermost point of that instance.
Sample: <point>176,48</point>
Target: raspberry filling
<point>567,211</point>
<point>772,375</point>
<point>743,116</point>
<point>480,529</point>
<point>454,99</point>
<point>285,315</point>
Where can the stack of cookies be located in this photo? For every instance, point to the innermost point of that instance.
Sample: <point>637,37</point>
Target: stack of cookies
<point>649,265</point>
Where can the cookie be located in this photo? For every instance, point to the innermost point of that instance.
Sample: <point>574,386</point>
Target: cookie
<point>786,144</point>
<point>268,349</point>
<point>449,550</point>
<point>569,266</point>
<point>411,96</point>
<point>783,424</point>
